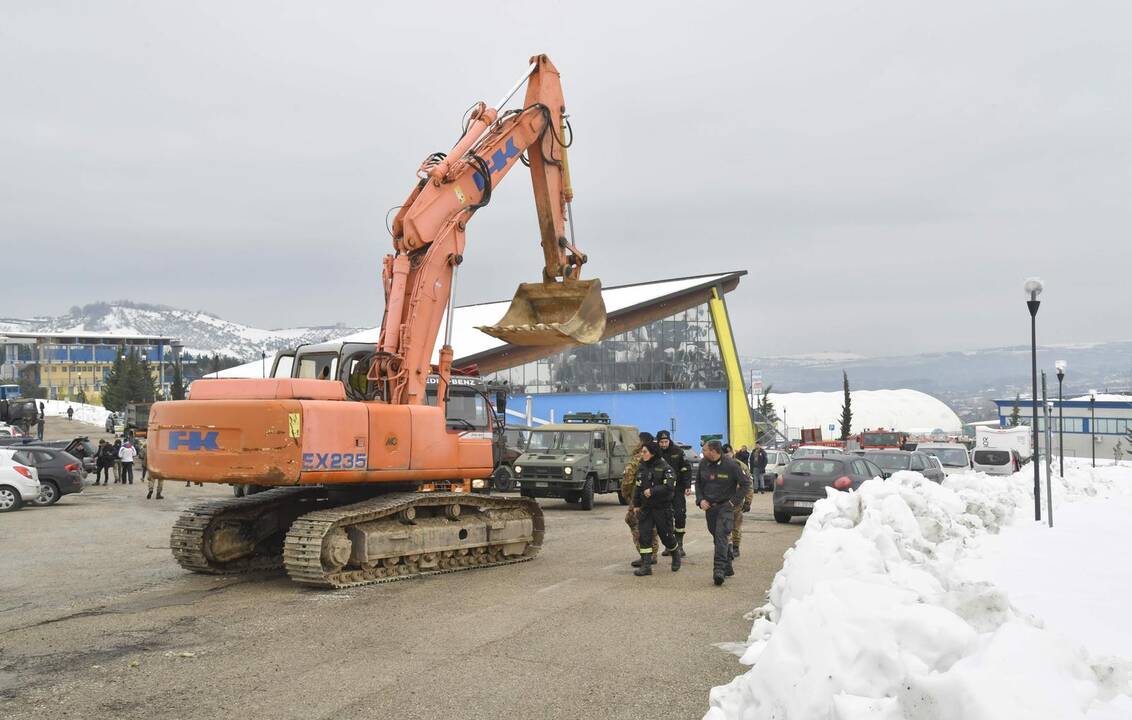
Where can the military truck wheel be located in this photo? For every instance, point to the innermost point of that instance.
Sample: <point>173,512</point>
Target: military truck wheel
<point>621,498</point>
<point>503,480</point>
<point>781,517</point>
<point>588,494</point>
<point>571,497</point>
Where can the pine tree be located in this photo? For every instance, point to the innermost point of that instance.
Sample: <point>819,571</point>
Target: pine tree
<point>145,380</point>
<point>765,409</point>
<point>177,389</point>
<point>1016,413</point>
<point>846,408</point>
<point>81,396</point>
<point>114,389</point>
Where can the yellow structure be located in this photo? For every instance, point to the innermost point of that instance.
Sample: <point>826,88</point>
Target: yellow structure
<point>740,429</point>
<point>67,379</point>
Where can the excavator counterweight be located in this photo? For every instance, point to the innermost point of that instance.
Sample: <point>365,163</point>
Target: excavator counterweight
<point>570,312</point>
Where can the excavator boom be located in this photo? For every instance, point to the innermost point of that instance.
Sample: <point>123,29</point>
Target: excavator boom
<point>429,238</point>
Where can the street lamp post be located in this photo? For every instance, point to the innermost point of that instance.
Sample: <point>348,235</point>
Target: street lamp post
<point>1060,365</point>
<point>1093,424</point>
<point>1033,290</point>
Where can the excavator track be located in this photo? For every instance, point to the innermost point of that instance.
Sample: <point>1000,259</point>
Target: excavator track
<point>387,538</point>
<point>198,537</point>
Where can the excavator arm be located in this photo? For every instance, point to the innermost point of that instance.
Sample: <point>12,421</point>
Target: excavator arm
<point>429,238</point>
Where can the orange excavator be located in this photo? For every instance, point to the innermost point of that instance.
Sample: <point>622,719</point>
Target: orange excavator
<point>364,473</point>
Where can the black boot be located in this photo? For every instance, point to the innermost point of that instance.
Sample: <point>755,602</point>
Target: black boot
<point>676,557</point>
<point>734,551</point>
<point>646,565</point>
<point>680,545</point>
<point>717,579</point>
<point>149,495</point>
<point>639,561</point>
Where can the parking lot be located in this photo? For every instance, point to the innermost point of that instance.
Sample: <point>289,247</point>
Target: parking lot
<point>97,620</point>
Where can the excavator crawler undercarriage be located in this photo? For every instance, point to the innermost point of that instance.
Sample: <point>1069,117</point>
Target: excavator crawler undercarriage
<point>393,536</point>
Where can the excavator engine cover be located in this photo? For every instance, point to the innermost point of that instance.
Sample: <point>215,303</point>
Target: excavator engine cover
<point>553,313</point>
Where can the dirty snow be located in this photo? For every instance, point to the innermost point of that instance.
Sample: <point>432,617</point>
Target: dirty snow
<point>904,600</point>
<point>94,414</point>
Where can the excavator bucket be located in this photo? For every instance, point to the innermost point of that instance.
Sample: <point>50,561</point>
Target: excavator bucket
<point>553,313</point>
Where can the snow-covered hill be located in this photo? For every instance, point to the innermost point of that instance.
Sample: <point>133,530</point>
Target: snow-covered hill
<point>202,333</point>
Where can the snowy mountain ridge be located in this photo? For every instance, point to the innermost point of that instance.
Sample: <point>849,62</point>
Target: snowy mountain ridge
<point>201,332</point>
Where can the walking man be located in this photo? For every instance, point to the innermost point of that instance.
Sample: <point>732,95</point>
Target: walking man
<point>126,455</point>
<point>653,496</point>
<point>70,413</point>
<point>745,506</point>
<point>116,459</point>
<point>39,426</point>
<point>628,492</point>
<point>720,488</point>
<point>143,456</point>
<point>674,456</point>
<point>106,455</point>
<point>758,467</point>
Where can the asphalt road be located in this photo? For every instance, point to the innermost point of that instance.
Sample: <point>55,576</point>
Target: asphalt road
<point>96,620</point>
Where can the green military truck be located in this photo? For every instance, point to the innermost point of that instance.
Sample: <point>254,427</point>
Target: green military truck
<point>572,460</point>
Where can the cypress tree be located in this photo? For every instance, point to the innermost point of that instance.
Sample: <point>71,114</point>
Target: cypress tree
<point>177,388</point>
<point>846,408</point>
<point>1016,413</point>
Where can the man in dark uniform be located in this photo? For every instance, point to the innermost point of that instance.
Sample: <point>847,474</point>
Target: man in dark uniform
<point>720,488</point>
<point>653,496</point>
<point>674,456</point>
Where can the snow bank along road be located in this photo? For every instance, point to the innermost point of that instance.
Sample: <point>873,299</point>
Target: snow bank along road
<point>913,600</point>
<point>97,621</point>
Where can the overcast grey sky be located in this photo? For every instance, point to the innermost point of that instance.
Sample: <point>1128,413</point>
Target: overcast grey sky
<point>888,172</point>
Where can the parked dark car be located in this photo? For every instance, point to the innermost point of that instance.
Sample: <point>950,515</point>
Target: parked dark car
<point>80,447</point>
<point>894,460</point>
<point>60,472</point>
<point>804,481</point>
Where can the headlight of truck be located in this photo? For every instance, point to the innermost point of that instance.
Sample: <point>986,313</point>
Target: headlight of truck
<point>518,469</point>
<point>477,484</point>
<point>568,470</point>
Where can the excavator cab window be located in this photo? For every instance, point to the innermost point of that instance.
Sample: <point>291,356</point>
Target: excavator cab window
<point>321,366</point>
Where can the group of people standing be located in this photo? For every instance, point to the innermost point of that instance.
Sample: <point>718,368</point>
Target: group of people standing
<point>119,457</point>
<point>656,484</point>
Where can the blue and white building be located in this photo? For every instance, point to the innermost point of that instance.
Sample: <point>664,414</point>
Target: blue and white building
<point>1092,423</point>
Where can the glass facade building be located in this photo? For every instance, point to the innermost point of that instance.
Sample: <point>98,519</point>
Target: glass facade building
<point>679,352</point>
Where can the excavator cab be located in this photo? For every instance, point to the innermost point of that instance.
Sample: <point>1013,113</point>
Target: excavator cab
<point>552,313</point>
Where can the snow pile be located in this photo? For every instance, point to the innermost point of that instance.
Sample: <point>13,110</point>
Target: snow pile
<point>873,614</point>
<point>93,414</point>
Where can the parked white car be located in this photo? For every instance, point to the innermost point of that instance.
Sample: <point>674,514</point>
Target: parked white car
<point>19,483</point>
<point>996,462</point>
<point>776,461</point>
<point>953,456</point>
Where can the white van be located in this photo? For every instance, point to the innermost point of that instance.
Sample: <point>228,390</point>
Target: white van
<point>996,462</point>
<point>953,456</point>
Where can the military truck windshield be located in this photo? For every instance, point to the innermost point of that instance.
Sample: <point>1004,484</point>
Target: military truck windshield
<point>540,441</point>
<point>575,441</point>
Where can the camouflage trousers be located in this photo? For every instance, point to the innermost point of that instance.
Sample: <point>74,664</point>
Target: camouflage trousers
<point>633,521</point>
<point>736,532</point>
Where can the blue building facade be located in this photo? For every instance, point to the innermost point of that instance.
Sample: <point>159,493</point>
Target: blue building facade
<point>688,414</point>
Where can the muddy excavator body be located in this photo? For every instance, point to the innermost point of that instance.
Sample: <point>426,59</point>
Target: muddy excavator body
<point>362,475</point>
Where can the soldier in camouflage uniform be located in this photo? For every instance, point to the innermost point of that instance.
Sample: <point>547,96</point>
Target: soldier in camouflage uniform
<point>628,490</point>
<point>736,531</point>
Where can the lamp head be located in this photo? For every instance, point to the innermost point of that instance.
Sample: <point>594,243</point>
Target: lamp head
<point>1033,288</point>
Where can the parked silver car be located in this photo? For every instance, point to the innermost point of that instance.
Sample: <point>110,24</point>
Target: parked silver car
<point>954,457</point>
<point>895,460</point>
